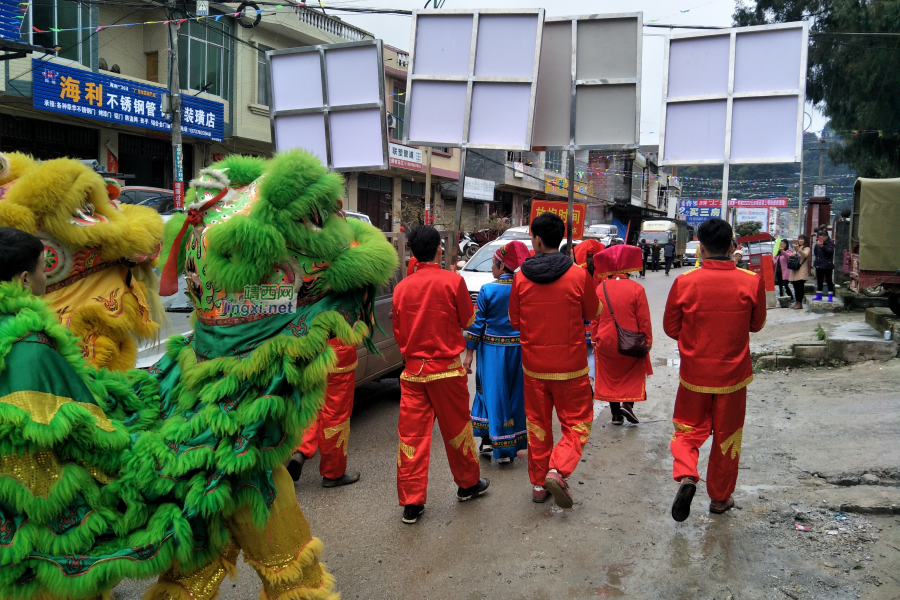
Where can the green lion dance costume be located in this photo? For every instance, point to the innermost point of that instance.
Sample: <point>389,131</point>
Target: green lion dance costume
<point>174,472</point>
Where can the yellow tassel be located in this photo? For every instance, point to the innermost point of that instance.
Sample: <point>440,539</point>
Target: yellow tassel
<point>293,570</point>
<point>324,592</point>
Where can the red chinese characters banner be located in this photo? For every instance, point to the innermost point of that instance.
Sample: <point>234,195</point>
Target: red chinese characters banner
<point>561,209</point>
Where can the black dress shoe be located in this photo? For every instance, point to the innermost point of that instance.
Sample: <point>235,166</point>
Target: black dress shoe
<point>463,494</point>
<point>295,465</point>
<point>681,508</point>
<point>411,513</point>
<point>345,479</point>
<point>627,411</point>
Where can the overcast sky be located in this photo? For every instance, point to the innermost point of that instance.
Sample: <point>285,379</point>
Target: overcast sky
<point>395,30</point>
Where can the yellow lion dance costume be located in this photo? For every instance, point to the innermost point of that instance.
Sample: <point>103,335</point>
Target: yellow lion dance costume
<point>99,253</point>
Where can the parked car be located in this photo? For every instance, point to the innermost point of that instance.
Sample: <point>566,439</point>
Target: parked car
<point>690,253</point>
<point>135,194</point>
<point>352,214</point>
<point>163,204</point>
<point>516,233</point>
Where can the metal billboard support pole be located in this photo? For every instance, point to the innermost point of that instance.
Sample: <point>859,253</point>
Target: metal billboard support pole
<point>800,201</point>
<point>460,190</point>
<point>571,209</point>
<point>725,175</point>
<point>175,109</point>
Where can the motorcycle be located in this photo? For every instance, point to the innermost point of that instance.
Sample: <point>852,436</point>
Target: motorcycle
<point>467,245</point>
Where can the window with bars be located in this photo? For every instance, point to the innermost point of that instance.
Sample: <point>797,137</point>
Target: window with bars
<point>204,56</point>
<point>262,76</point>
<point>73,19</point>
<point>515,157</point>
<point>553,160</point>
<point>398,109</point>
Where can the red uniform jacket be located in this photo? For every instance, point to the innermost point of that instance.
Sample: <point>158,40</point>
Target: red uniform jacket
<point>551,318</point>
<point>711,311</point>
<point>431,307</point>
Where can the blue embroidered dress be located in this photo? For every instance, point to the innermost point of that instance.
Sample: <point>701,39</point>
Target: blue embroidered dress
<point>499,408</point>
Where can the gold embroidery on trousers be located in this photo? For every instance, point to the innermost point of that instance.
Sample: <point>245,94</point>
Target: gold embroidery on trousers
<point>409,451</point>
<point>344,430</point>
<point>680,428</point>
<point>734,442</point>
<point>465,442</point>
<point>534,430</point>
<point>584,431</point>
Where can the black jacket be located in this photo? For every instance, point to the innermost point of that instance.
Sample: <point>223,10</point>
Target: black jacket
<point>546,268</point>
<point>824,255</point>
<point>654,251</point>
<point>646,250</point>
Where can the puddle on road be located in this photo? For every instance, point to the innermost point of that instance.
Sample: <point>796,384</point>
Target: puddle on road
<point>667,362</point>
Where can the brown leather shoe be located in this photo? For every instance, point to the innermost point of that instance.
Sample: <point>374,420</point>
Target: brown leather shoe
<point>717,507</point>
<point>797,306</point>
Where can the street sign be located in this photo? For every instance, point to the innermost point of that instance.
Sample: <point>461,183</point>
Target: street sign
<point>202,8</point>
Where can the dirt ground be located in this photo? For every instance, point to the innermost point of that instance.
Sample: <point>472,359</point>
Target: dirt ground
<point>815,441</point>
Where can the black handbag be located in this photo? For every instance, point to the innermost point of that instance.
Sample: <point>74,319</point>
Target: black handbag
<point>631,343</point>
<point>794,263</point>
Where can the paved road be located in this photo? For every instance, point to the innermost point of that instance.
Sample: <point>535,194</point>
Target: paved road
<point>619,540</point>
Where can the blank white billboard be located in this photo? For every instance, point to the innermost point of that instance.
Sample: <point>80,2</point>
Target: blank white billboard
<point>473,77</point>
<point>589,83</point>
<point>734,96</point>
<point>330,100</point>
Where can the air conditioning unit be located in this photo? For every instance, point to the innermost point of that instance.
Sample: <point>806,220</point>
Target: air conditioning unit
<point>393,122</point>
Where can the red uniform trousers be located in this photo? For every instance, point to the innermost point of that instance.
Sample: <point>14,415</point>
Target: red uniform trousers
<point>696,414</point>
<point>420,402</point>
<point>330,433</point>
<point>575,411</point>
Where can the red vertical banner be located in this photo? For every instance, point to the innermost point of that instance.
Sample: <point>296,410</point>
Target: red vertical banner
<point>112,161</point>
<point>768,272</point>
<point>178,188</point>
<point>427,217</point>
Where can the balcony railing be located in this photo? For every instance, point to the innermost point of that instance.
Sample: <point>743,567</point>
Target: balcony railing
<point>331,25</point>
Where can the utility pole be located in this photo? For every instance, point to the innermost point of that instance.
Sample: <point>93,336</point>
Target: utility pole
<point>175,108</point>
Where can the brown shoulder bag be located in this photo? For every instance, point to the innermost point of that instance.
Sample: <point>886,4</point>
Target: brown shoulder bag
<point>631,343</point>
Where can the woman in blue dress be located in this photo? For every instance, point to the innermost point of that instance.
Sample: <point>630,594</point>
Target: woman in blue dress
<point>498,413</point>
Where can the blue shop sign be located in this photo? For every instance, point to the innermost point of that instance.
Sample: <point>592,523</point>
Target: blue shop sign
<point>71,91</point>
<point>696,212</point>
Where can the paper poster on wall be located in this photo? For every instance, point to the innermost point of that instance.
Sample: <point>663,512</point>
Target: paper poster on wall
<point>330,100</point>
<point>473,78</point>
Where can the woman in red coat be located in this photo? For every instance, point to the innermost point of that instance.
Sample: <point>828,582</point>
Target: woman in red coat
<point>620,380</point>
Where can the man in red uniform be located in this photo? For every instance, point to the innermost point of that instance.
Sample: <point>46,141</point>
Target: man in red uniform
<point>431,307</point>
<point>711,311</point>
<point>330,434</point>
<point>550,300</point>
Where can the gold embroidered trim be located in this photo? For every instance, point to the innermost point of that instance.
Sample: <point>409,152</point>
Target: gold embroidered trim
<point>533,429</point>
<point>734,442</point>
<point>641,399</point>
<point>746,271</point>
<point>405,376</point>
<point>557,376</point>
<point>716,390</point>
<point>610,273</point>
<point>42,407</point>
<point>465,442</point>
<point>455,364</point>
<point>471,321</point>
<point>584,430</point>
<point>343,433</point>
<point>682,428</point>
<point>345,369</point>
<point>402,450</point>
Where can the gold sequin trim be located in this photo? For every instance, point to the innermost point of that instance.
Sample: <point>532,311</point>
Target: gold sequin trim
<point>36,472</point>
<point>557,376</point>
<point>584,431</point>
<point>716,390</point>
<point>465,442</point>
<point>406,376</point>
<point>405,450</point>
<point>42,407</point>
<point>343,433</point>
<point>344,369</point>
<point>733,442</point>
<point>534,430</point>
<point>200,584</point>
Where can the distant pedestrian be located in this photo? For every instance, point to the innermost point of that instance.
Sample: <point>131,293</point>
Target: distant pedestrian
<point>498,412</point>
<point>712,311</point>
<point>669,254</point>
<point>655,250</point>
<point>550,300</point>
<point>621,380</point>
<point>824,264</point>
<point>645,251</point>
<point>799,275</point>
<point>738,258</point>
<point>782,272</point>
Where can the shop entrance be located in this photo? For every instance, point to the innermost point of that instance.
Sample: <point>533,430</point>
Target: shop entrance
<point>46,140</point>
<point>150,161</point>
<point>374,197</point>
